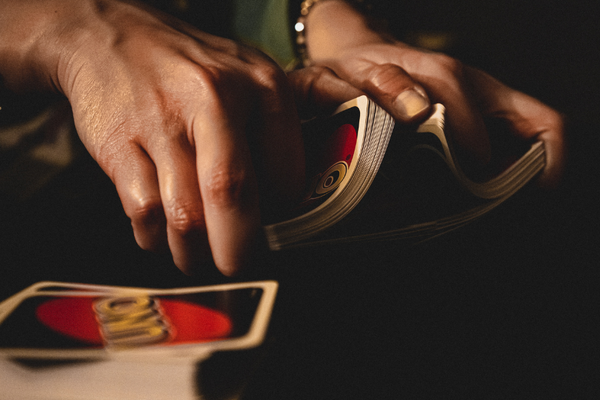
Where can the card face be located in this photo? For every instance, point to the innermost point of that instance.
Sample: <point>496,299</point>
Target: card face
<point>81,321</point>
<point>331,146</point>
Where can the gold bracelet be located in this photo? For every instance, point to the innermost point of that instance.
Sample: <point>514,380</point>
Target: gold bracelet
<point>300,29</point>
<point>300,26</point>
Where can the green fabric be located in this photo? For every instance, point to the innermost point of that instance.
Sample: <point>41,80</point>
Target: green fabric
<point>264,24</point>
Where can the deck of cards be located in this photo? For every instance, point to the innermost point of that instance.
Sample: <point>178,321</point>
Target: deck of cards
<point>73,341</point>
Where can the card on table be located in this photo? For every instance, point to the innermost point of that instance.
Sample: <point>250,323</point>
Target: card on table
<point>56,320</point>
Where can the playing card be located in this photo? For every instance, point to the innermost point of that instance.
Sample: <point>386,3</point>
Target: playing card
<point>8,305</point>
<point>99,380</point>
<point>331,145</point>
<point>85,287</point>
<point>45,286</point>
<point>53,320</point>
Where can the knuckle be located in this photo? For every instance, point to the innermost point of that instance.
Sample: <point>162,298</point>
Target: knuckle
<point>217,85</point>
<point>269,76</point>
<point>448,66</point>
<point>311,78</point>
<point>319,73</point>
<point>207,78</point>
<point>114,155</point>
<point>226,188</point>
<point>185,220</point>
<point>557,120</point>
<point>377,70</point>
<point>381,76</point>
<point>146,211</point>
<point>210,78</point>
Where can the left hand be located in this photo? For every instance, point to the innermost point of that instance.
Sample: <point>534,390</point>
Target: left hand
<point>339,37</point>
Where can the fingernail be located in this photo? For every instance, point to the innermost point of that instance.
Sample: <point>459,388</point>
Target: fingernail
<point>410,103</point>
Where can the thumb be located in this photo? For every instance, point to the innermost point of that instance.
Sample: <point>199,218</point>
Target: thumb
<point>393,89</point>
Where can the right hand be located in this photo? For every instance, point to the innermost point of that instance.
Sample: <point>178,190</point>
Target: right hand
<point>191,128</point>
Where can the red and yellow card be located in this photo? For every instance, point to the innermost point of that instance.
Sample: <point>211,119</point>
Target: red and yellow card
<point>65,320</point>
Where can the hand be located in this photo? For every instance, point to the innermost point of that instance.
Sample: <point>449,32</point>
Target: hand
<point>318,90</point>
<point>172,116</point>
<point>395,74</point>
<point>191,128</point>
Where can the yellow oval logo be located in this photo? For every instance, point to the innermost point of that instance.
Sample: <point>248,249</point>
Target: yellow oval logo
<point>331,179</point>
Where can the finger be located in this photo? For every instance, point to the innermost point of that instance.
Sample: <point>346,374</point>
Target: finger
<point>409,101</point>
<point>446,82</point>
<point>227,184</point>
<point>278,147</point>
<point>182,203</point>
<point>391,87</point>
<point>137,185</point>
<point>528,118</point>
<point>556,154</point>
<point>318,88</point>
<point>531,119</point>
<point>464,124</point>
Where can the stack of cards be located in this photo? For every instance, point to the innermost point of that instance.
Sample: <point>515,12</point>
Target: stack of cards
<point>345,161</point>
<point>72,341</point>
<point>343,155</point>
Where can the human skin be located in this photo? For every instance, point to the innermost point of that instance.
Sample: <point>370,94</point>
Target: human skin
<point>198,133</point>
<point>171,114</point>
<point>340,38</point>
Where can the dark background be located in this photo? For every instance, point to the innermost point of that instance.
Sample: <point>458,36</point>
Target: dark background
<point>504,308</point>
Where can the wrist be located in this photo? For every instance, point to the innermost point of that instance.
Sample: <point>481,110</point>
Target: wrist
<point>39,38</point>
<point>27,39</point>
<point>333,26</point>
